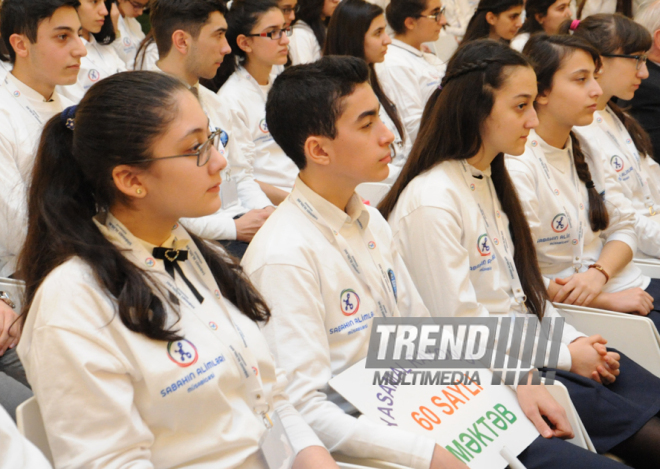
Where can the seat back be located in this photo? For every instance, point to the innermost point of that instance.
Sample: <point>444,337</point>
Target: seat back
<point>31,426</point>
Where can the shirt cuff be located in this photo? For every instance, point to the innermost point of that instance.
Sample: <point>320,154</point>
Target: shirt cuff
<point>629,238</point>
<point>300,434</point>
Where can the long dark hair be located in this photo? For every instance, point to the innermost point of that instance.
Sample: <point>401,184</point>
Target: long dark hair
<point>547,54</point>
<point>451,130</point>
<point>72,182</point>
<point>609,34</point>
<point>533,8</point>
<point>348,27</point>
<point>310,12</point>
<point>622,6</point>
<point>107,34</point>
<point>478,27</point>
<point>241,18</point>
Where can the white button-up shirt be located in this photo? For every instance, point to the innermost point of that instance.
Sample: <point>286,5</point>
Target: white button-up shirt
<point>303,46</point>
<point>127,44</point>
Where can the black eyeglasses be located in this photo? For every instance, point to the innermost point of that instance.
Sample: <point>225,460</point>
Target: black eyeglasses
<point>203,154</point>
<point>289,10</point>
<point>641,59</point>
<point>274,35</point>
<point>435,17</point>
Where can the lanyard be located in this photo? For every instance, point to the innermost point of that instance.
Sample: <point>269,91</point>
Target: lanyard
<point>577,243</point>
<point>384,296</point>
<point>22,100</point>
<point>632,155</point>
<point>115,231</point>
<point>503,249</point>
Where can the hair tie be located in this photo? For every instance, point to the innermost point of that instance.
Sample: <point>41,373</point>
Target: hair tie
<point>440,86</point>
<point>574,25</point>
<point>589,184</point>
<point>68,117</point>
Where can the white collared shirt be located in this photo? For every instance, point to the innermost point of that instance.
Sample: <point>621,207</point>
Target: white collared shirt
<point>444,241</point>
<point>100,62</point>
<point>246,100</point>
<point>541,207</point>
<point>518,42</point>
<point>303,46</point>
<point>409,77</point>
<point>163,405</point>
<point>617,169</point>
<point>127,44</point>
<point>306,280</point>
<point>20,133</point>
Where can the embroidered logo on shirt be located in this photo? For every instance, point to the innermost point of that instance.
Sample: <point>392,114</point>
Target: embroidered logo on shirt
<point>617,163</point>
<point>182,352</point>
<point>371,244</point>
<point>559,223</point>
<point>390,274</point>
<point>93,75</point>
<point>213,326</point>
<point>17,94</point>
<point>263,126</point>
<point>150,262</point>
<point>349,302</point>
<point>483,245</point>
<point>127,41</point>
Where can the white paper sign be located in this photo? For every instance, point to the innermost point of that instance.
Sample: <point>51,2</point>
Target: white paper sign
<point>473,421</point>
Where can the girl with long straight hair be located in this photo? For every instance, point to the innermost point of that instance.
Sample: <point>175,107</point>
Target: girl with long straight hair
<point>409,75</point>
<point>309,30</point>
<point>155,330</point>
<point>101,61</point>
<point>499,20</point>
<point>258,37</point>
<point>541,16</point>
<point>358,29</point>
<point>584,243</point>
<point>616,143</point>
<point>460,227</point>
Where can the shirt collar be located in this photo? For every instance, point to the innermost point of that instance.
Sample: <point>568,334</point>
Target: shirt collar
<point>406,47</point>
<point>29,93</point>
<point>557,157</point>
<point>336,218</point>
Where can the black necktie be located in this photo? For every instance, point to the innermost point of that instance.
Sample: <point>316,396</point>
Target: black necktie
<point>171,257</point>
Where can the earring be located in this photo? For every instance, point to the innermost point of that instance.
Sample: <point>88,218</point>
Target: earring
<point>139,191</point>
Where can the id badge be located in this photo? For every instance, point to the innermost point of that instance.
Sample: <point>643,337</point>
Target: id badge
<point>276,447</point>
<point>228,193</point>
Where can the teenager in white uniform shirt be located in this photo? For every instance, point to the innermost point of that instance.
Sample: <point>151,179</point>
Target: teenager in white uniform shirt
<point>451,214</point>
<point>358,28</point>
<point>159,356</point>
<point>309,30</point>
<point>584,243</point>
<point>408,75</point>
<point>101,60</point>
<point>258,37</point>
<point>190,58</point>
<point>541,15</point>
<point>615,141</point>
<point>130,30</point>
<point>499,20</point>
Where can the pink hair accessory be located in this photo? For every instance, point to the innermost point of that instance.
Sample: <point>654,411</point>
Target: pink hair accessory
<point>574,24</point>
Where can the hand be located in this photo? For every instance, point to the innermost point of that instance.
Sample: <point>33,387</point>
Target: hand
<point>589,361</point>
<point>580,289</point>
<point>10,330</point>
<point>248,225</point>
<point>546,414</point>
<point>114,16</point>
<point>443,459</point>
<point>632,300</point>
<point>313,457</point>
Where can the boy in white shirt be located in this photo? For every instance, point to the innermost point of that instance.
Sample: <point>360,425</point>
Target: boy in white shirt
<point>43,45</point>
<point>191,47</point>
<point>325,262</point>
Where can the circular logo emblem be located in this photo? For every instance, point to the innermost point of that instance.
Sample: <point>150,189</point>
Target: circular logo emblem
<point>617,163</point>
<point>127,42</point>
<point>599,119</point>
<point>628,141</point>
<point>93,75</point>
<point>472,187</point>
<point>255,371</point>
<point>176,225</point>
<point>349,302</point>
<point>217,293</point>
<point>182,352</point>
<point>497,213</point>
<point>150,262</point>
<point>556,191</point>
<point>534,143</point>
<point>17,93</point>
<point>371,244</point>
<point>559,223</point>
<point>496,241</point>
<point>213,326</point>
<point>483,245</point>
<point>574,242</point>
<point>263,126</point>
<point>581,206</point>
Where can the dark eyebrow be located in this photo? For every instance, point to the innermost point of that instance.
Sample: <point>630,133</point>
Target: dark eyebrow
<point>221,30</point>
<point>66,28</point>
<point>583,70</point>
<point>369,113</point>
<point>522,95</point>
<point>194,131</point>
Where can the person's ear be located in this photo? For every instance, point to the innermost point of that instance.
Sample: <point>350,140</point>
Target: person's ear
<point>542,98</point>
<point>410,23</point>
<point>656,38</point>
<point>539,17</point>
<point>128,181</point>
<point>491,18</point>
<point>316,150</point>
<point>181,41</point>
<point>244,43</point>
<point>19,42</point>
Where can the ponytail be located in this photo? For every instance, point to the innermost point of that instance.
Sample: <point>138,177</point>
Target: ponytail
<point>141,54</point>
<point>599,219</point>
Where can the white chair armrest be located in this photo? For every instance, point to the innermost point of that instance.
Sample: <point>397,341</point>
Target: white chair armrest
<point>31,425</point>
<point>649,267</point>
<point>581,439</point>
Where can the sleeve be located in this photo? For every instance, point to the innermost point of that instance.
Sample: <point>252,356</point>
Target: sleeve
<point>402,87</point>
<point>13,209</point>
<point>72,368</point>
<point>219,226</point>
<point>302,45</point>
<point>297,324</point>
<point>15,449</point>
<point>623,222</point>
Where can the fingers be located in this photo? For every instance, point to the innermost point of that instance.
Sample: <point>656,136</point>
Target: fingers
<point>596,376</point>
<point>596,339</point>
<point>562,294</point>
<point>605,376</point>
<point>563,281</point>
<point>541,426</point>
<point>601,349</point>
<point>562,427</point>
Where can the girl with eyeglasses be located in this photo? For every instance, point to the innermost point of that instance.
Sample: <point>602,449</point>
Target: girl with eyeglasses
<point>408,74</point>
<point>358,28</point>
<point>541,16</point>
<point>309,29</point>
<point>101,60</point>
<point>131,35</point>
<point>618,146</point>
<point>499,20</point>
<point>129,319</point>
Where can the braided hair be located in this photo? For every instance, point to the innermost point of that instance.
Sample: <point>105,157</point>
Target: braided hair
<point>451,130</point>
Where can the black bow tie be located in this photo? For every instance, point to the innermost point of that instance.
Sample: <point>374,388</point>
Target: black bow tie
<point>170,258</point>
